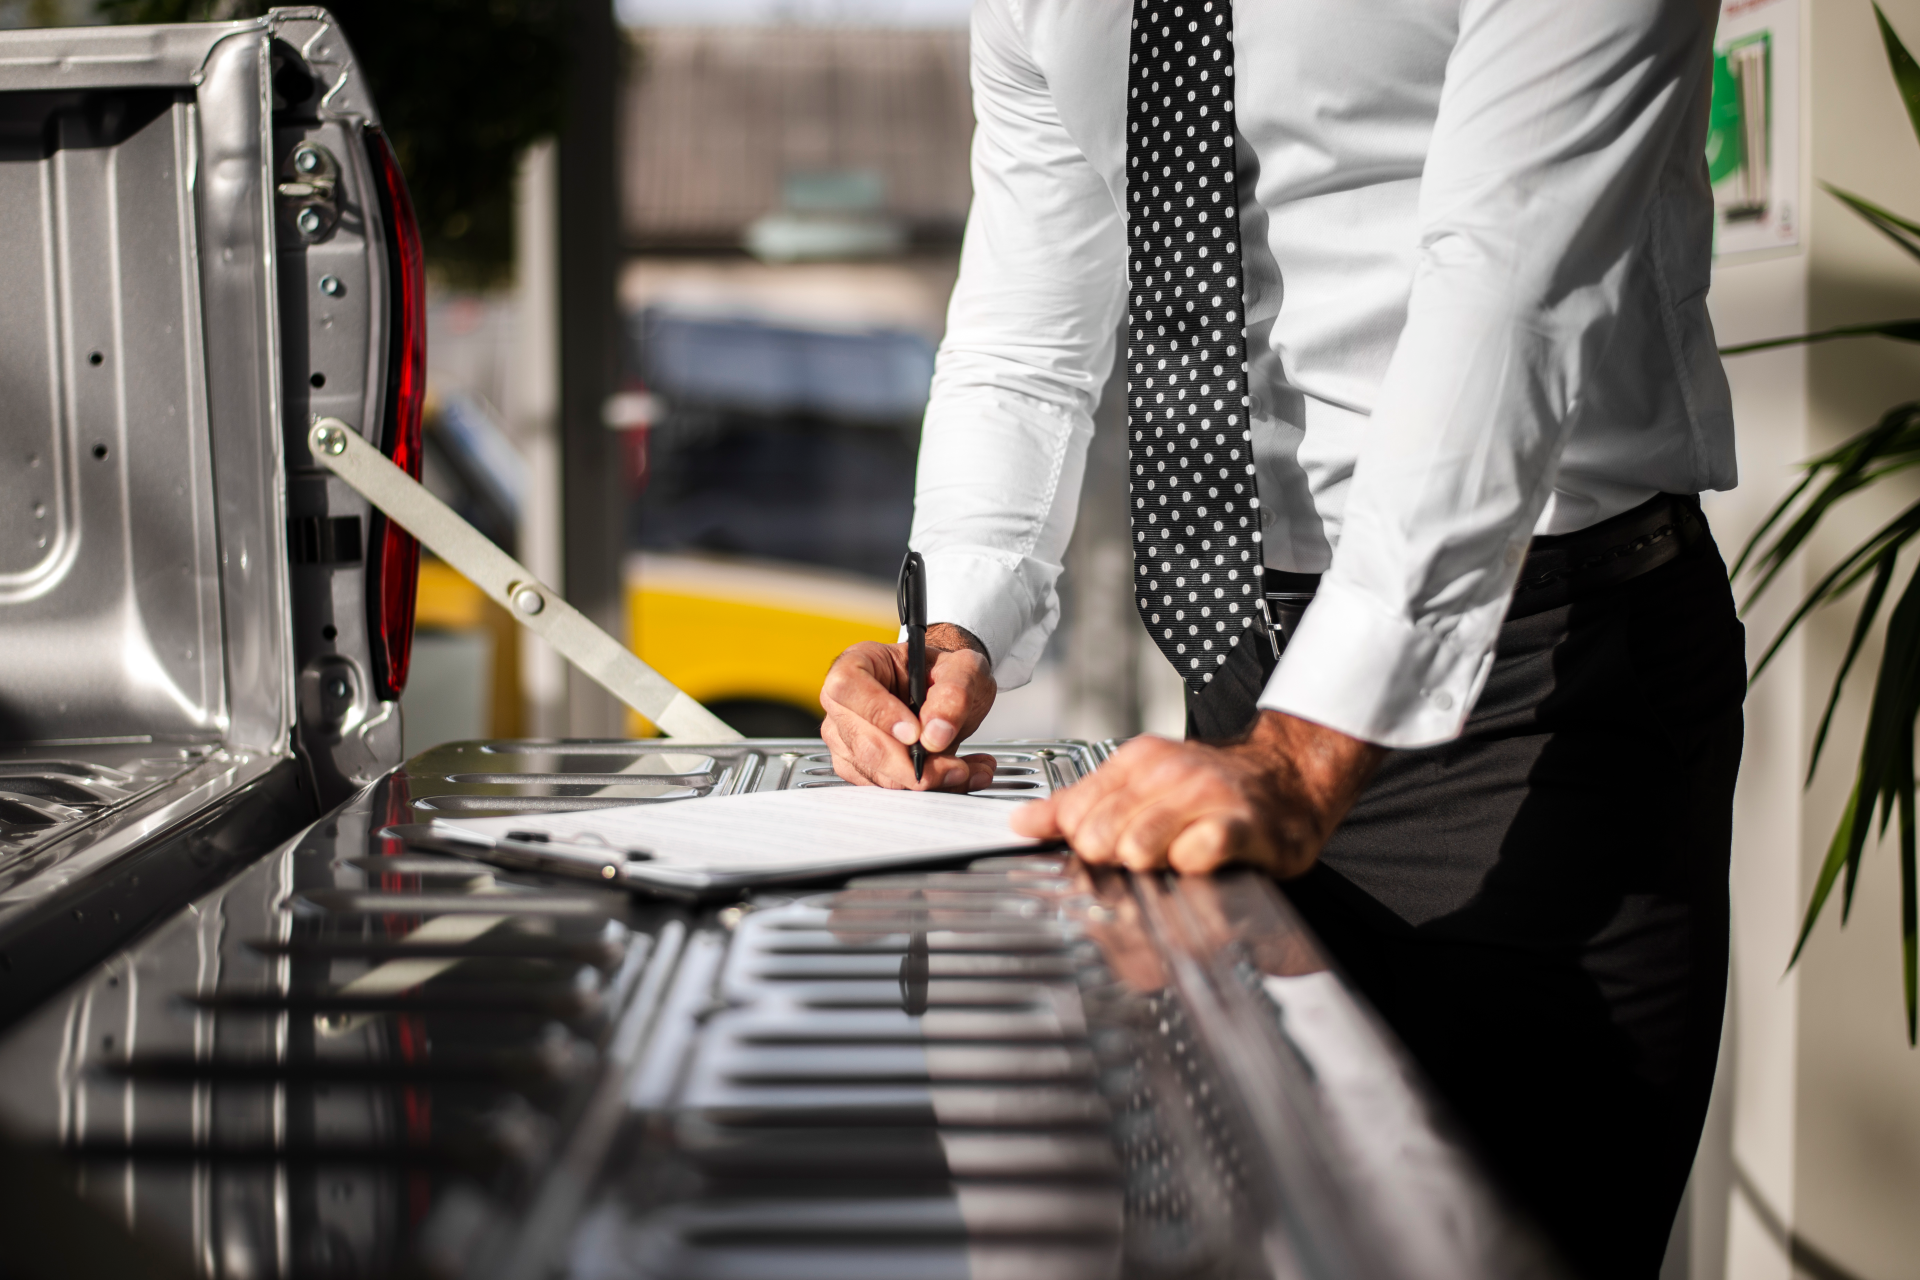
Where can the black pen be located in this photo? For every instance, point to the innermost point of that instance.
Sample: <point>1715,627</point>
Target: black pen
<point>913,616</point>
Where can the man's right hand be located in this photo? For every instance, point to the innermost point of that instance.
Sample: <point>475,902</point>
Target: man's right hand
<point>868,727</point>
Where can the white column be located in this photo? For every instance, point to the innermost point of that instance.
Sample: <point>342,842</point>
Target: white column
<point>533,412</point>
<point>1743,1180</point>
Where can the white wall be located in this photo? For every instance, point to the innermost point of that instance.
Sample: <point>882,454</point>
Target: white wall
<point>1817,1172</point>
<point>1857,1097</point>
<point>1752,301</point>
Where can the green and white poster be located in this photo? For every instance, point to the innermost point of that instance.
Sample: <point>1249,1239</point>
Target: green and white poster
<point>1753,136</point>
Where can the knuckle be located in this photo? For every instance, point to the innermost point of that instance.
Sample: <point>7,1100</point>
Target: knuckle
<point>840,687</point>
<point>1143,844</point>
<point>1213,843</point>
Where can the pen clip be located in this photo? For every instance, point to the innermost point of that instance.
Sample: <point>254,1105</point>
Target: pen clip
<point>911,592</point>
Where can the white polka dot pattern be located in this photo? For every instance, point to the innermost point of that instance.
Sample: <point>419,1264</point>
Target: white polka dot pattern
<point>1196,527</point>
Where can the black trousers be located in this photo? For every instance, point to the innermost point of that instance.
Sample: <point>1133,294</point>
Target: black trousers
<point>1539,908</point>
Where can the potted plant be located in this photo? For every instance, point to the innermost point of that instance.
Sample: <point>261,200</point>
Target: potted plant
<point>1884,784</point>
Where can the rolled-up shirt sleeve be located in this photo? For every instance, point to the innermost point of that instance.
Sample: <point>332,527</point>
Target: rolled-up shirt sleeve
<point>1557,125</point>
<point>1029,342</point>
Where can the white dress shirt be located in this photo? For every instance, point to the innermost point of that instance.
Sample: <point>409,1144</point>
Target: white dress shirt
<point>1475,238</point>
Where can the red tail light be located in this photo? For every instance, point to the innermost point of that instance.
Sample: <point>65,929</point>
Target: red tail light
<point>393,563</point>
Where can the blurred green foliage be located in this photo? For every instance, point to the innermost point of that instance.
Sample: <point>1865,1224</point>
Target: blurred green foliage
<point>462,87</point>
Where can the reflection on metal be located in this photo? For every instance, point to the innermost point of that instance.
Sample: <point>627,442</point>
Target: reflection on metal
<point>110,574</point>
<point>390,1060</point>
<point>510,584</point>
<point>237,255</point>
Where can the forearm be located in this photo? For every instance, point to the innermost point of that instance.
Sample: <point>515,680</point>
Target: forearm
<point>1029,343</point>
<point>1539,204</point>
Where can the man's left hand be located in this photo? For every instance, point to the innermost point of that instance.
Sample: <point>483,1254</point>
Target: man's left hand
<point>1270,800</point>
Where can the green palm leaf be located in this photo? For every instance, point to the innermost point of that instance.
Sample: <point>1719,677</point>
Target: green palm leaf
<point>1906,72</point>
<point>1890,445</point>
<point>1905,330</point>
<point>1884,783</point>
<point>1894,227</point>
<point>1837,856</point>
<point>1869,610</point>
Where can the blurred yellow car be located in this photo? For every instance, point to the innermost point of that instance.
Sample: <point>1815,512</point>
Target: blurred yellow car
<point>751,639</point>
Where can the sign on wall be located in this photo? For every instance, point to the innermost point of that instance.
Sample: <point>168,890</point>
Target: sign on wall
<point>1753,134</point>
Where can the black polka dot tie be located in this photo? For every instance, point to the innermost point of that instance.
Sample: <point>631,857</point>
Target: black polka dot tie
<point>1196,527</point>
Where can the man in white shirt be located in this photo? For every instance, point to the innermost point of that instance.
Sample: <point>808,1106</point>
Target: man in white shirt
<point>1493,755</point>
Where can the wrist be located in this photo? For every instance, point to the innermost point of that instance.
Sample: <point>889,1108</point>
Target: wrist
<point>1324,758</point>
<point>951,637</point>
<point>1319,769</point>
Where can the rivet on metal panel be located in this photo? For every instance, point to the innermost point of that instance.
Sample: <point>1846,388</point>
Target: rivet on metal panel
<point>528,601</point>
<point>332,286</point>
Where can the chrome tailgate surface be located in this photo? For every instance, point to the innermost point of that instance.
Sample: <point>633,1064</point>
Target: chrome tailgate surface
<point>531,776</point>
<point>363,1059</point>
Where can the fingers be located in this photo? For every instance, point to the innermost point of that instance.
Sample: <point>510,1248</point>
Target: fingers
<point>960,692</point>
<point>1195,831</point>
<point>1204,845</point>
<point>946,773</point>
<point>1156,804</point>
<point>1038,819</point>
<point>1064,814</point>
<point>1087,813</point>
<point>862,754</point>
<point>867,728</point>
<point>862,683</point>
<point>843,762</point>
<point>1143,837</point>
<point>865,723</point>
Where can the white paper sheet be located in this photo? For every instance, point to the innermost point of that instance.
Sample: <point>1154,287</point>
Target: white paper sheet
<point>777,831</point>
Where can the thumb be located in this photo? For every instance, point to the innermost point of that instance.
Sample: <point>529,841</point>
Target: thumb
<point>958,695</point>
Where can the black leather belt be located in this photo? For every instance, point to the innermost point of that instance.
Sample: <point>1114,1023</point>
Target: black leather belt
<point>1557,570</point>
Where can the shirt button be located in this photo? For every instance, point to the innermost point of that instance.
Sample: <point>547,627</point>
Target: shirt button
<point>1443,700</point>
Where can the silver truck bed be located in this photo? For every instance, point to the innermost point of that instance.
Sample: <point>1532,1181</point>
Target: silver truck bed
<point>189,656</point>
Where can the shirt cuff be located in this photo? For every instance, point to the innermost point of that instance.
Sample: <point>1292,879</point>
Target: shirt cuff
<point>1002,600</point>
<point>1358,667</point>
